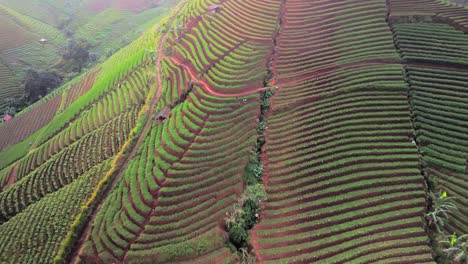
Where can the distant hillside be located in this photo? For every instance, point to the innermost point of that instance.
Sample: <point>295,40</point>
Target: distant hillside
<point>107,26</point>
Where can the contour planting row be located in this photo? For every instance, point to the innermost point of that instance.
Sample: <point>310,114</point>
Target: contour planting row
<point>79,89</point>
<point>176,82</point>
<point>175,193</point>
<point>47,11</point>
<point>343,182</point>
<point>339,79</point>
<point>432,43</point>
<point>11,34</point>
<point>115,73</point>
<point>131,94</point>
<point>221,50</point>
<point>34,236</point>
<point>439,99</point>
<point>53,35</point>
<point>9,87</point>
<point>97,28</point>
<point>65,167</point>
<point>325,34</point>
<point>21,127</point>
<point>443,10</point>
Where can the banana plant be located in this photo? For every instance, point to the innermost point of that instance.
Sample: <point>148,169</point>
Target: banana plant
<point>457,250</point>
<point>441,206</point>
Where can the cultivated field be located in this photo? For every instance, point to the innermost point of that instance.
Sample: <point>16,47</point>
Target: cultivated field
<point>355,111</point>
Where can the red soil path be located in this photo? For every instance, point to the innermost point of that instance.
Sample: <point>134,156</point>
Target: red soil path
<point>207,88</point>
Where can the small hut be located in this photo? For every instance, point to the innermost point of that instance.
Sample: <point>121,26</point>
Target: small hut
<point>43,41</point>
<point>7,118</point>
<point>163,114</point>
<point>212,9</point>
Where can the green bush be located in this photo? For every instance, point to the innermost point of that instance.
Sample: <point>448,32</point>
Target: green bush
<point>253,171</point>
<point>238,235</point>
<point>251,210</point>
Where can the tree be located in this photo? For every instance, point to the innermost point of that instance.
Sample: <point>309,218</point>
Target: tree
<point>238,235</point>
<point>38,84</point>
<point>76,55</point>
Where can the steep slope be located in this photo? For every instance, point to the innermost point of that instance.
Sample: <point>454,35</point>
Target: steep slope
<point>437,66</point>
<point>173,195</point>
<point>343,178</point>
<point>93,121</point>
<point>107,30</point>
<point>141,159</point>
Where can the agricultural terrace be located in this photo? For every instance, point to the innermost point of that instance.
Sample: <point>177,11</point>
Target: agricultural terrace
<point>46,11</point>
<point>188,172</point>
<point>9,86</point>
<point>53,35</point>
<point>71,154</point>
<point>34,235</point>
<point>175,192</point>
<point>437,10</point>
<point>24,125</point>
<point>437,75</point>
<point>439,102</point>
<point>432,43</point>
<point>66,156</point>
<point>11,35</point>
<point>36,116</point>
<point>19,48</point>
<point>341,173</point>
<point>136,6</point>
<point>226,50</point>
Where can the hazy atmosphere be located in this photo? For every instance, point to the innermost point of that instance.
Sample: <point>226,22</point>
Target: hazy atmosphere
<point>233,131</point>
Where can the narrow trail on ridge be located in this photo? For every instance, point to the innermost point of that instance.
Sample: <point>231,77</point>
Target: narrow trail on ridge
<point>207,88</point>
<point>115,181</point>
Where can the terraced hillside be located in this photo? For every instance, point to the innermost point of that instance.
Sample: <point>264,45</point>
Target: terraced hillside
<point>437,95</point>
<point>74,149</point>
<point>343,182</point>
<point>175,192</point>
<point>24,23</point>
<point>354,111</point>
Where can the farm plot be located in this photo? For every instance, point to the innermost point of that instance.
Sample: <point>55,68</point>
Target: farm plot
<point>53,35</point>
<point>97,28</point>
<point>227,50</point>
<point>438,10</point>
<point>175,193</point>
<point>9,86</point>
<point>47,11</point>
<point>66,166</point>
<point>34,236</point>
<point>343,182</point>
<point>434,43</point>
<point>24,125</point>
<point>329,34</point>
<point>341,173</point>
<point>100,122</point>
<point>439,99</point>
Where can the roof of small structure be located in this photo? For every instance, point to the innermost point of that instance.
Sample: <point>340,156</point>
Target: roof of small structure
<point>165,113</point>
<point>7,117</point>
